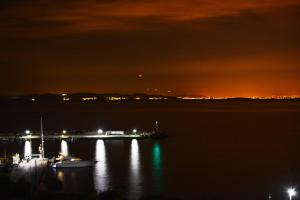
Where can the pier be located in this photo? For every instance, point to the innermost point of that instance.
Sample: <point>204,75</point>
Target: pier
<point>77,136</point>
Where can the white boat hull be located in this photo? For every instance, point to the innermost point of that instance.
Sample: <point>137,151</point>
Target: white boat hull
<point>35,162</point>
<point>73,164</point>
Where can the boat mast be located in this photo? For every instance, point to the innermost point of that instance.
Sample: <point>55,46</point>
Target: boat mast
<point>42,138</point>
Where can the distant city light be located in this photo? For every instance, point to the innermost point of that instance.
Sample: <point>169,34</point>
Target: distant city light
<point>134,131</point>
<point>192,98</point>
<point>100,131</point>
<point>64,131</point>
<point>66,99</point>
<point>140,75</point>
<point>291,192</point>
<point>116,98</point>
<point>33,99</point>
<point>63,94</point>
<point>89,98</point>
<point>27,131</point>
<point>155,98</point>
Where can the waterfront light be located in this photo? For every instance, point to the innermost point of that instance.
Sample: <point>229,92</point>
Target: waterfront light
<point>134,131</point>
<point>64,131</point>
<point>27,132</point>
<point>100,131</point>
<point>291,192</point>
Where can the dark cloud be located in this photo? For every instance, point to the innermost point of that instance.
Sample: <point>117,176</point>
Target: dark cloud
<point>91,15</point>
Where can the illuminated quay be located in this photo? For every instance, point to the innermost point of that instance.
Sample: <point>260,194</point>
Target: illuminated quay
<point>87,135</point>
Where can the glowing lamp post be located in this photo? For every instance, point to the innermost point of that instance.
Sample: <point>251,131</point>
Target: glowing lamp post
<point>100,131</point>
<point>28,134</point>
<point>63,133</point>
<point>291,192</point>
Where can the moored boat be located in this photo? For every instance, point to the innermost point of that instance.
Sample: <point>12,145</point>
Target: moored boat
<point>71,162</point>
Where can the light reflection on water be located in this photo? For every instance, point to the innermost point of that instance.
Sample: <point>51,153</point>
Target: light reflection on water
<point>64,149</point>
<point>60,175</point>
<point>27,149</point>
<point>134,173</point>
<point>101,176</point>
<point>28,170</point>
<point>157,169</point>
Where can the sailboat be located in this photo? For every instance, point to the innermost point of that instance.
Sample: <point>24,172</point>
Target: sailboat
<point>36,160</point>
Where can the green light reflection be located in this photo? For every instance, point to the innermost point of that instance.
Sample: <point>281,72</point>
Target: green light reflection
<point>157,169</point>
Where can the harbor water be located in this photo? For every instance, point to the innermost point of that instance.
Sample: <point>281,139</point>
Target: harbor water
<point>208,155</point>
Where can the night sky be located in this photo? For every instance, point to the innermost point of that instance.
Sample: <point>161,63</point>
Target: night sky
<point>180,47</point>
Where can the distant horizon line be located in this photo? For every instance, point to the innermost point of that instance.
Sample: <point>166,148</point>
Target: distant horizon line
<point>182,96</point>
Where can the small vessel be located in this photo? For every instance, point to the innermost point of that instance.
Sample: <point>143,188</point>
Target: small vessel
<point>71,162</point>
<point>33,160</point>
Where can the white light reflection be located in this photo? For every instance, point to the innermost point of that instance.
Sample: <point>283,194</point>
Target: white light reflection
<point>101,178</point>
<point>135,186</point>
<point>291,192</point>
<point>27,149</point>
<point>64,148</point>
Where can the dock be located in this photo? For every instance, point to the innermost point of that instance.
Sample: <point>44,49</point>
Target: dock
<point>88,135</point>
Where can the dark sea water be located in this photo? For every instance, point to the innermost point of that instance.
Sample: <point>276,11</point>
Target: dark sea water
<point>214,151</point>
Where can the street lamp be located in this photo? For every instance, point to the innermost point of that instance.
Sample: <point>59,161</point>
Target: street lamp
<point>100,131</point>
<point>291,192</point>
<point>27,132</point>
<point>134,130</point>
<point>63,133</point>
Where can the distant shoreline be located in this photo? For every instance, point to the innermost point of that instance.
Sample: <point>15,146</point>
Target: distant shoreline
<point>94,97</point>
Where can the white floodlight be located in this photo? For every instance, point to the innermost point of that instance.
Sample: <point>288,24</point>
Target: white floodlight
<point>99,131</point>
